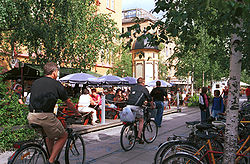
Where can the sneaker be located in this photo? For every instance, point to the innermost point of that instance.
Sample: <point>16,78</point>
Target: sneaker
<point>139,140</point>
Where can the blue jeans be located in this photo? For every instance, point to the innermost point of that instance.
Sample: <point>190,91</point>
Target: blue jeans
<point>160,108</point>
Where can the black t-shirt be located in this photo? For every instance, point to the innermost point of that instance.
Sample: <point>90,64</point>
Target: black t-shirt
<point>158,94</point>
<point>138,95</point>
<point>110,98</point>
<point>44,94</point>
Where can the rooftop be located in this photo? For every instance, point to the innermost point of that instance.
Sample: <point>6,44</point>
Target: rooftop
<point>129,15</point>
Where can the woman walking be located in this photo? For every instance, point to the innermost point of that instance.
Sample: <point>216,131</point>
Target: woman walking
<point>204,105</point>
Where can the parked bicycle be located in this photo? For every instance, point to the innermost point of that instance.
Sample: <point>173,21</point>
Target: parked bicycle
<point>129,131</point>
<point>36,151</point>
<point>209,152</point>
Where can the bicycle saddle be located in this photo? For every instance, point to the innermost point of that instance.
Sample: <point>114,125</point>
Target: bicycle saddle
<point>203,126</point>
<point>193,122</point>
<point>206,136</point>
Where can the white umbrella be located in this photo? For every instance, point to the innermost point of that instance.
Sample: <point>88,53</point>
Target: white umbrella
<point>244,84</point>
<point>80,78</point>
<point>163,83</point>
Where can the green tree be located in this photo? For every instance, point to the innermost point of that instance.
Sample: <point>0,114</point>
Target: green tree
<point>122,64</point>
<point>69,32</point>
<point>226,21</point>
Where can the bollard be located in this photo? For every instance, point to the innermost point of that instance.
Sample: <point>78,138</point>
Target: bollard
<point>103,109</point>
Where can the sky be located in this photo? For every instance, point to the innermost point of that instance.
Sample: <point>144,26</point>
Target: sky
<point>144,4</point>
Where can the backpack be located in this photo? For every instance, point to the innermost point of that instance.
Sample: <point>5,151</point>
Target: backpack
<point>136,96</point>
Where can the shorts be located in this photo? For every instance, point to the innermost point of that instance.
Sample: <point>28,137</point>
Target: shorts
<point>52,126</point>
<point>138,110</point>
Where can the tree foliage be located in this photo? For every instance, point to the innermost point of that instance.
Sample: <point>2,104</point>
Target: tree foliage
<point>69,32</point>
<point>187,20</point>
<point>13,119</point>
<point>123,63</point>
<point>227,25</point>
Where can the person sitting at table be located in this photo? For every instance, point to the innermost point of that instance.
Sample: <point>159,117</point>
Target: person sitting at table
<point>84,103</point>
<point>119,98</point>
<point>96,102</point>
<point>109,103</point>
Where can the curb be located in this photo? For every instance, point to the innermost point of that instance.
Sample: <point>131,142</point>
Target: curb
<point>111,125</point>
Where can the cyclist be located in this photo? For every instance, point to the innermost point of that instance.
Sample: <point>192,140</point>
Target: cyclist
<point>139,93</point>
<point>44,94</point>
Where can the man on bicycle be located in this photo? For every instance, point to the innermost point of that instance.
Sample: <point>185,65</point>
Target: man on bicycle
<point>139,93</point>
<point>44,94</point>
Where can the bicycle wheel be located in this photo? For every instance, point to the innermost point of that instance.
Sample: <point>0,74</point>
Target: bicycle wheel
<point>175,147</point>
<point>75,150</point>
<point>160,149</point>
<point>181,158</point>
<point>30,153</point>
<point>150,131</point>
<point>127,137</point>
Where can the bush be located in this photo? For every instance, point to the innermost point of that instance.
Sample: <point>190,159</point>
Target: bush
<point>13,119</point>
<point>193,101</point>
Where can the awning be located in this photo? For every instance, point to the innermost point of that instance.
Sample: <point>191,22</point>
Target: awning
<point>29,73</point>
<point>32,72</point>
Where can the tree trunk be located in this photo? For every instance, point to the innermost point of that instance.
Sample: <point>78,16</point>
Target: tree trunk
<point>232,108</point>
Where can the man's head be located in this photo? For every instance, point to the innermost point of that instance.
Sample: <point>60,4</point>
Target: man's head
<point>217,93</point>
<point>140,81</point>
<point>204,90</point>
<point>158,83</point>
<point>51,69</point>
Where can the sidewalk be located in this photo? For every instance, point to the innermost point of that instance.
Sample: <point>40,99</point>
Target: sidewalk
<point>109,123</point>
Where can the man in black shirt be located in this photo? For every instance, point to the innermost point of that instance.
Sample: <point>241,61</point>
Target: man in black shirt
<point>158,94</point>
<point>139,93</point>
<point>44,94</point>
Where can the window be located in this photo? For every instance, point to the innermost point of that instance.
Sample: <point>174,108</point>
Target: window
<point>217,85</point>
<point>111,4</point>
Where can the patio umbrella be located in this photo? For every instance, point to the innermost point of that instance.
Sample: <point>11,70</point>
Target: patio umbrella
<point>131,80</point>
<point>163,83</point>
<point>112,80</point>
<point>80,78</point>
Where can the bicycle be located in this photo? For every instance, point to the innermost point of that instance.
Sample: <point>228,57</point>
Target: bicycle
<point>36,151</point>
<point>129,131</point>
<point>209,155</point>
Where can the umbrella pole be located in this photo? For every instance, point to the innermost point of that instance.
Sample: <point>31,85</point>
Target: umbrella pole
<point>103,109</point>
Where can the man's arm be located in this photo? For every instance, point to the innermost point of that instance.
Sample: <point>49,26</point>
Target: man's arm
<point>71,106</point>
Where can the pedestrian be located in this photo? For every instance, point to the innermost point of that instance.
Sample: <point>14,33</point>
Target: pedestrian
<point>217,105</point>
<point>248,93</point>
<point>138,94</point>
<point>204,105</point>
<point>225,96</point>
<point>44,94</point>
<point>158,94</point>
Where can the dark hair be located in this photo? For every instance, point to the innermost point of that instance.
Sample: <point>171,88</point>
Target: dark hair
<point>93,90</point>
<point>217,93</point>
<point>49,68</point>
<point>204,90</point>
<point>158,83</point>
<point>140,80</point>
<point>85,91</point>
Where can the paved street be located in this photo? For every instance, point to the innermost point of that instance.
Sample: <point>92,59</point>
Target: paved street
<point>103,147</point>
